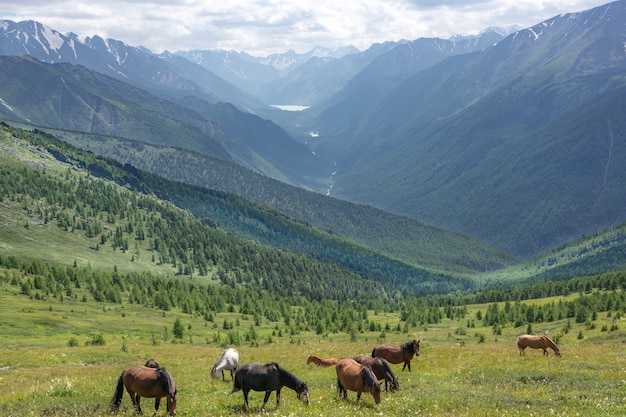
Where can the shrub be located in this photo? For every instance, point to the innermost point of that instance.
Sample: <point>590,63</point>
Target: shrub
<point>96,340</point>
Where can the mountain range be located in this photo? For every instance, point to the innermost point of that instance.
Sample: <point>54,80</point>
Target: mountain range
<point>515,139</point>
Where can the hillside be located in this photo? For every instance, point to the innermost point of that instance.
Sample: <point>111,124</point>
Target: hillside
<point>519,144</point>
<point>195,245</point>
<point>71,97</point>
<point>398,237</point>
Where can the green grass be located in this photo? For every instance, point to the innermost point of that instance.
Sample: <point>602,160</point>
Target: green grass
<point>455,375</point>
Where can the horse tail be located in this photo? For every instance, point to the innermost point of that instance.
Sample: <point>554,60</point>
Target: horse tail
<point>119,392</point>
<point>236,382</point>
<point>166,379</point>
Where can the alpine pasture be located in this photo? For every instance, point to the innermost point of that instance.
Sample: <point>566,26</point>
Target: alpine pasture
<point>64,359</point>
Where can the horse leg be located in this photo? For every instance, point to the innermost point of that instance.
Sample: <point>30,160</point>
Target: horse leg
<point>341,390</point>
<point>223,377</point>
<point>358,396</point>
<point>138,404</point>
<point>267,397</point>
<point>277,397</point>
<point>134,397</point>
<point>157,402</point>
<point>245,399</point>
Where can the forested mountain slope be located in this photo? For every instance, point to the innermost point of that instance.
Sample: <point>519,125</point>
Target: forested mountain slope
<point>520,144</point>
<point>122,209</point>
<point>399,237</point>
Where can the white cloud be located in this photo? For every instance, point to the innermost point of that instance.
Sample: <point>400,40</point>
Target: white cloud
<point>261,27</point>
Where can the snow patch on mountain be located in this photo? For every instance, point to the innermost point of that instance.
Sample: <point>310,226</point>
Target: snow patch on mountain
<point>53,38</point>
<point>4,103</point>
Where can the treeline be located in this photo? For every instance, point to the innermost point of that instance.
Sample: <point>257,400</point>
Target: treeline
<point>597,293</point>
<point>39,280</point>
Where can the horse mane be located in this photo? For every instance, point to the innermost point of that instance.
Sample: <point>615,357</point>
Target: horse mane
<point>291,380</point>
<point>368,377</point>
<point>386,366</point>
<point>166,379</point>
<point>410,346</point>
<point>551,343</point>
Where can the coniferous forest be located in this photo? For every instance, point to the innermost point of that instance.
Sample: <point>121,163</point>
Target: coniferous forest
<point>109,208</point>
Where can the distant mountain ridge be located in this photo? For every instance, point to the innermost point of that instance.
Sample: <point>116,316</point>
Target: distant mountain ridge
<point>516,144</point>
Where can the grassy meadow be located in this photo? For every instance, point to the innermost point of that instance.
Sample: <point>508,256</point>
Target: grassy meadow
<point>50,365</point>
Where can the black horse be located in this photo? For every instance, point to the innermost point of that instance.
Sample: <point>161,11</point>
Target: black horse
<point>381,369</point>
<point>268,378</point>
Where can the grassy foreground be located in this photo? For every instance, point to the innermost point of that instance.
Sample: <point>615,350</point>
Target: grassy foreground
<point>455,375</point>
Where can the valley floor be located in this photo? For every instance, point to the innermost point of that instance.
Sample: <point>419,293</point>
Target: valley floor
<point>452,376</point>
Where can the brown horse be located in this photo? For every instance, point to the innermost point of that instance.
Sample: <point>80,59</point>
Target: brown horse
<point>537,342</point>
<point>381,369</point>
<point>353,376</point>
<point>144,381</point>
<point>321,361</point>
<point>398,353</point>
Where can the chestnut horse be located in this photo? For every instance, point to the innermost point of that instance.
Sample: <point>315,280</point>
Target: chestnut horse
<point>537,342</point>
<point>381,369</point>
<point>321,361</point>
<point>268,378</point>
<point>398,353</point>
<point>144,381</point>
<point>353,376</point>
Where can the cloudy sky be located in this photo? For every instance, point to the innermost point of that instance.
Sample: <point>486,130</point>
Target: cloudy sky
<point>263,27</point>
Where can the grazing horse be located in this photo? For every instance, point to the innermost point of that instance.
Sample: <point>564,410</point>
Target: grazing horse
<point>381,369</point>
<point>353,376</point>
<point>144,381</point>
<point>228,361</point>
<point>537,342</point>
<point>321,361</point>
<point>398,353</point>
<point>268,378</point>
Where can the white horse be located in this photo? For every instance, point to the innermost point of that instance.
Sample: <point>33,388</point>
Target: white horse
<point>228,361</point>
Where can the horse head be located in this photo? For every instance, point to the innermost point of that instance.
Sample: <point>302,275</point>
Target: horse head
<point>302,390</point>
<point>416,347</point>
<point>394,385</point>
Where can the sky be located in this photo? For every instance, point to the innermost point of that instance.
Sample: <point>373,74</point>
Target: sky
<point>264,27</point>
